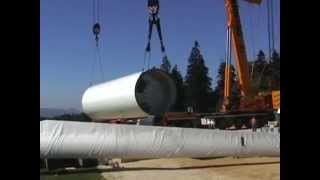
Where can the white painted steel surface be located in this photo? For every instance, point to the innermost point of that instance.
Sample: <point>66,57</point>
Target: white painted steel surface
<point>67,139</point>
<point>137,95</point>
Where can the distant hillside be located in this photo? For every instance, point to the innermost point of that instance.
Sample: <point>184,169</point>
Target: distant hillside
<point>51,112</point>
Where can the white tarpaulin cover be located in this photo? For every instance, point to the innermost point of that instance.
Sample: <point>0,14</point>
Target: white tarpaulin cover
<point>67,139</point>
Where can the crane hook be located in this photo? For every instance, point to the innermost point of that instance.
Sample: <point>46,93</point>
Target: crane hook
<point>96,31</point>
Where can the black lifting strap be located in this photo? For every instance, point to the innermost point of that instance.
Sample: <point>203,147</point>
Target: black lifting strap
<point>155,21</point>
<point>149,34</point>
<point>160,35</point>
<point>153,6</point>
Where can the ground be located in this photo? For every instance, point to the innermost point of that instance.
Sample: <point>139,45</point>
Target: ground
<point>89,176</point>
<point>229,168</point>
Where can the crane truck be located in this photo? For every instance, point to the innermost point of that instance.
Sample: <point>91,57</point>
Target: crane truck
<point>253,104</point>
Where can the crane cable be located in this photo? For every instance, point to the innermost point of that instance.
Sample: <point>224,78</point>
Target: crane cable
<point>96,19</point>
<point>255,25</point>
<point>251,35</point>
<point>270,26</point>
<point>96,29</point>
<point>270,34</point>
<point>276,24</point>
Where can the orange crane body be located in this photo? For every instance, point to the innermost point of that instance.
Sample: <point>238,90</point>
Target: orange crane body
<point>249,100</point>
<point>234,25</point>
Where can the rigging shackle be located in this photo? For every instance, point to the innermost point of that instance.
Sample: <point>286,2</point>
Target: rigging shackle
<point>153,6</point>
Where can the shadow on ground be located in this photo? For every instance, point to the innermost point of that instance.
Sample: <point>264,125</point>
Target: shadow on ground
<point>95,170</point>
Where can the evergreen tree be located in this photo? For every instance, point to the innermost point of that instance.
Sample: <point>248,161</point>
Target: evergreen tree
<point>219,89</point>
<point>177,77</point>
<point>260,73</point>
<point>198,83</point>
<point>165,66</point>
<point>266,75</point>
<point>275,71</point>
<point>74,117</point>
<point>221,77</point>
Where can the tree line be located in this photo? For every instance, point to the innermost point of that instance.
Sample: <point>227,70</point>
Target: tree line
<point>195,91</point>
<point>69,117</point>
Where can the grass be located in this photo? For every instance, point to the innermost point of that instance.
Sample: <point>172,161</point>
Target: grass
<point>90,176</point>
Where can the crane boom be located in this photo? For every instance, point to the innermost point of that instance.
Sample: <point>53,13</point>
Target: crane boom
<point>235,35</point>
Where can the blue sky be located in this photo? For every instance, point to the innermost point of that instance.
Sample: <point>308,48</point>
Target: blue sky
<point>67,46</point>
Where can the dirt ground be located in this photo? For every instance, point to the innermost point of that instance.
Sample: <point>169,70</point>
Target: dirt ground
<point>257,168</point>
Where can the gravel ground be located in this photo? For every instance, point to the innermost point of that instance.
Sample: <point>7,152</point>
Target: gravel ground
<point>257,168</point>
<point>254,168</point>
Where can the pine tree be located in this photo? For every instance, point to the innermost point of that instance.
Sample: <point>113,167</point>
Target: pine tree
<point>165,66</point>
<point>177,77</point>
<point>275,71</point>
<point>219,89</point>
<point>198,83</point>
<point>260,73</point>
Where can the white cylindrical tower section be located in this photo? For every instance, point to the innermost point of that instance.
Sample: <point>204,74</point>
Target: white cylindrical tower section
<point>141,94</point>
